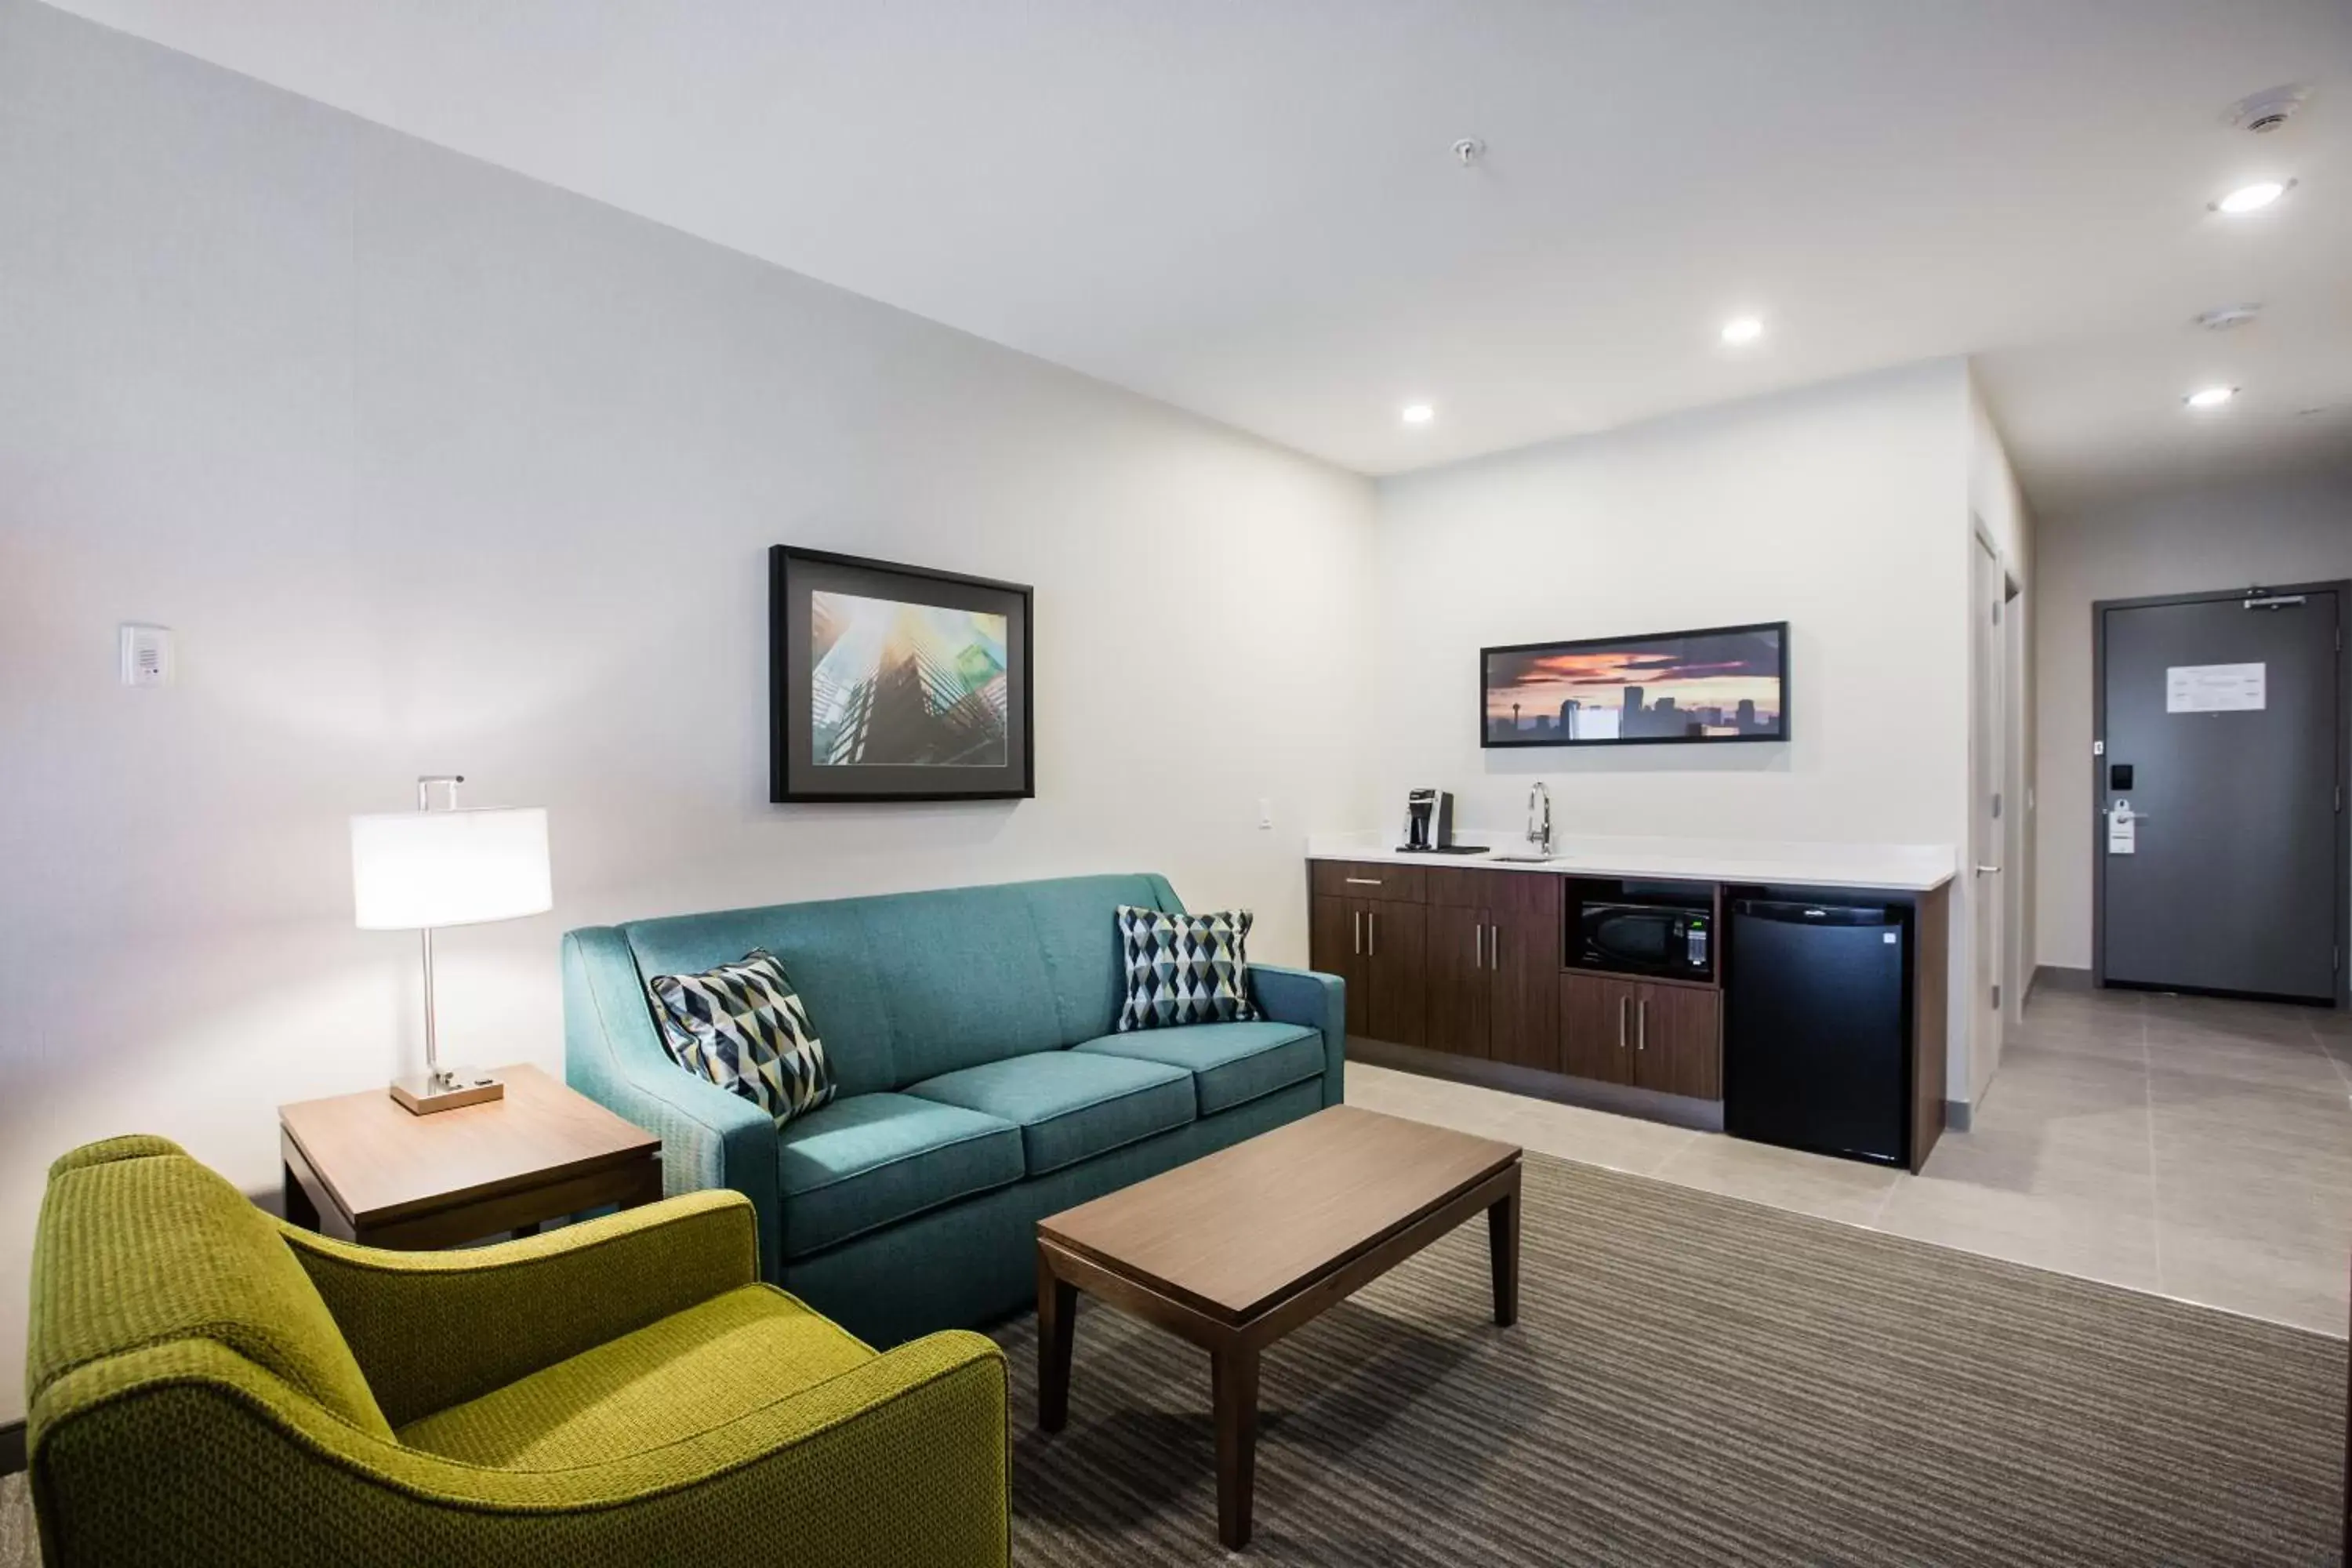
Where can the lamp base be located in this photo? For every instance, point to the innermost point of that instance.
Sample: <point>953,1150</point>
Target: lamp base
<point>428,1092</point>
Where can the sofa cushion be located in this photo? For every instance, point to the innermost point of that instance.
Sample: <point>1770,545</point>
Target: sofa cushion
<point>873,1160</point>
<point>1069,1105</point>
<point>1231,1063</point>
<point>742,1026</point>
<point>1184,969</point>
<point>688,1373</point>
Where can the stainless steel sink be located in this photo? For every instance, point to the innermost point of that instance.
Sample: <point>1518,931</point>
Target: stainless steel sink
<point>1522,857</point>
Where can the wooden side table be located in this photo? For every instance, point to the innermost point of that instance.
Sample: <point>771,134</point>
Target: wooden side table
<point>360,1168</point>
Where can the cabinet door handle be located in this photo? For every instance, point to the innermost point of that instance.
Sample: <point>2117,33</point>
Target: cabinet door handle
<point>1495,948</point>
<point>1621,1021</point>
<point>1360,932</point>
<point>1372,926</point>
<point>1479,947</point>
<point>1364,881</point>
<point>1642,1023</point>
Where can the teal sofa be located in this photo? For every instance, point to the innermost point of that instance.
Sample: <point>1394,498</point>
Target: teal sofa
<point>981,1085</point>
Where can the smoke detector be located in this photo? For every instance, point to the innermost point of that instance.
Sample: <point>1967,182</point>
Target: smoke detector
<point>2265,111</point>
<point>2228,316</point>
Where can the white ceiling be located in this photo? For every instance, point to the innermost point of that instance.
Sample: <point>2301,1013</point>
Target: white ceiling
<point>1251,210</point>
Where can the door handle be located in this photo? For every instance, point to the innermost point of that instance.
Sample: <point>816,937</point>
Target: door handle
<point>1495,948</point>
<point>1621,1021</point>
<point>1372,933</point>
<point>1642,1022</point>
<point>1360,932</point>
<point>1987,870</point>
<point>1364,881</point>
<point>1477,947</point>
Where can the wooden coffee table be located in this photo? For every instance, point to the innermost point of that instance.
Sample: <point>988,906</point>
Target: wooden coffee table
<point>1239,1247</point>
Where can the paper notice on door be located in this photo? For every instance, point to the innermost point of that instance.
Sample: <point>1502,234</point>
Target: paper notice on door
<point>2213,687</point>
<point>2123,832</point>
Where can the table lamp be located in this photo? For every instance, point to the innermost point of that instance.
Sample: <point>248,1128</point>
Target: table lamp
<point>416,871</point>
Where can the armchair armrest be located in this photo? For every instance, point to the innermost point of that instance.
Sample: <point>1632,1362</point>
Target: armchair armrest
<point>1318,1000</point>
<point>901,1459</point>
<point>432,1328</point>
<point>612,1054</point>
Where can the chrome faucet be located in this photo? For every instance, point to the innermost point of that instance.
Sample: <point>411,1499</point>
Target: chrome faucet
<point>1539,827</point>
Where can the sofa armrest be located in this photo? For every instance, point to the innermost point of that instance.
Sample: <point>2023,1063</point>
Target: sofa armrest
<point>431,1329</point>
<point>901,1460</point>
<point>612,1054</point>
<point>1318,1000</point>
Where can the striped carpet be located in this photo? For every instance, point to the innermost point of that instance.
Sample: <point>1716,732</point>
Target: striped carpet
<point>1695,1380</point>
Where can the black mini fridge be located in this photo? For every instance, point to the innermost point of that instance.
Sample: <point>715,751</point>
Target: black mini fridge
<point>1816,1028</point>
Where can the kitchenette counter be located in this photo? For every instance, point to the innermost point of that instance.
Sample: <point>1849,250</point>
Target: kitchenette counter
<point>1905,868</point>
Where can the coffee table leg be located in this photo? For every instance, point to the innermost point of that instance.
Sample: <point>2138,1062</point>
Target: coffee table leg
<point>1057,1312</point>
<point>1233,1374</point>
<point>1503,1252</point>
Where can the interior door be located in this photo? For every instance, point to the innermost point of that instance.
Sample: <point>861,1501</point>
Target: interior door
<point>2220,857</point>
<point>1458,980</point>
<point>1989,893</point>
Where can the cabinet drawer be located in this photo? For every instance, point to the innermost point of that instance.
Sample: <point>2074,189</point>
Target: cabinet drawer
<point>1369,879</point>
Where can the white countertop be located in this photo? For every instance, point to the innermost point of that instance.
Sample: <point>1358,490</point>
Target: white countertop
<point>1903,867</point>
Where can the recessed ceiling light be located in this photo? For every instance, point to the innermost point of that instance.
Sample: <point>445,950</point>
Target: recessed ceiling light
<point>2209,397</point>
<point>1742,330</point>
<point>2253,197</point>
<point>1419,414</point>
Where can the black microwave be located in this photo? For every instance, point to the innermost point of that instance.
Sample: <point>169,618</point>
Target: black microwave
<point>1643,939</point>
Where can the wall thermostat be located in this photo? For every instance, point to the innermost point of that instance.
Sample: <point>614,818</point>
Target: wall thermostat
<point>146,655</point>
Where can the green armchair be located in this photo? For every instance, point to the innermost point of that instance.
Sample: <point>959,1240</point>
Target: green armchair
<point>211,1385</point>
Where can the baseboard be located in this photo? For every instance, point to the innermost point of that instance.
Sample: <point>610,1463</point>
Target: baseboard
<point>1675,1110</point>
<point>1958,1114</point>
<point>12,1447</point>
<point>2058,977</point>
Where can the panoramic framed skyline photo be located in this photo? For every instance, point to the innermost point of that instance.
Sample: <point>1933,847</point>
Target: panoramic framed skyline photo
<point>1714,684</point>
<point>891,682</point>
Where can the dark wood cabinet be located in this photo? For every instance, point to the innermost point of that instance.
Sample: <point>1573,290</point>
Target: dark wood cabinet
<point>1596,1026</point>
<point>1380,947</point>
<point>1678,1040</point>
<point>1649,1034</point>
<point>1459,979</point>
<point>1335,945</point>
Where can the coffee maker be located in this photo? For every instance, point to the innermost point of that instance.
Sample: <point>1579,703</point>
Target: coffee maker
<point>1428,821</point>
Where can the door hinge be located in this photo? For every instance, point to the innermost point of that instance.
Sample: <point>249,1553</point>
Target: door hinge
<point>2098,748</point>
<point>1996,998</point>
<point>1996,611</point>
<point>1996,805</point>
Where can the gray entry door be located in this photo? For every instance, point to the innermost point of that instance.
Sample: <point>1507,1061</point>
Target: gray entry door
<point>2221,716</point>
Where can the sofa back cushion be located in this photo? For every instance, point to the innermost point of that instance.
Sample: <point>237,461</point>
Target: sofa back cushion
<point>139,1245</point>
<point>905,986</point>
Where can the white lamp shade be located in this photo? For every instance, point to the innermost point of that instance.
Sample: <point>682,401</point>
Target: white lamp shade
<point>411,870</point>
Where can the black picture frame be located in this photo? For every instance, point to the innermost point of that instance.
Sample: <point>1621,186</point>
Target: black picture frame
<point>1779,735</point>
<point>795,577</point>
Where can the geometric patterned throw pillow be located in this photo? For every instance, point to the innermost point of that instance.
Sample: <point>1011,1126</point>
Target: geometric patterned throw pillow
<point>742,1026</point>
<point>1184,969</point>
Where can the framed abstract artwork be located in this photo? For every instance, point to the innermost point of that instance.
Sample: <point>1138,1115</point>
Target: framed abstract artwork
<point>1718,683</point>
<point>890,683</point>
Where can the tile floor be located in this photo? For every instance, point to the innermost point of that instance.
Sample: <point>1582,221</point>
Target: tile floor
<point>2196,1148</point>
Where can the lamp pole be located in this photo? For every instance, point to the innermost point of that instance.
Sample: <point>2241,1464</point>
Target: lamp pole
<point>433,1077</point>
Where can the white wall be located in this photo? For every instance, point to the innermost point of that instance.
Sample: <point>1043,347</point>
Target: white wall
<point>1841,508</point>
<point>434,468</point>
<point>2292,530</point>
